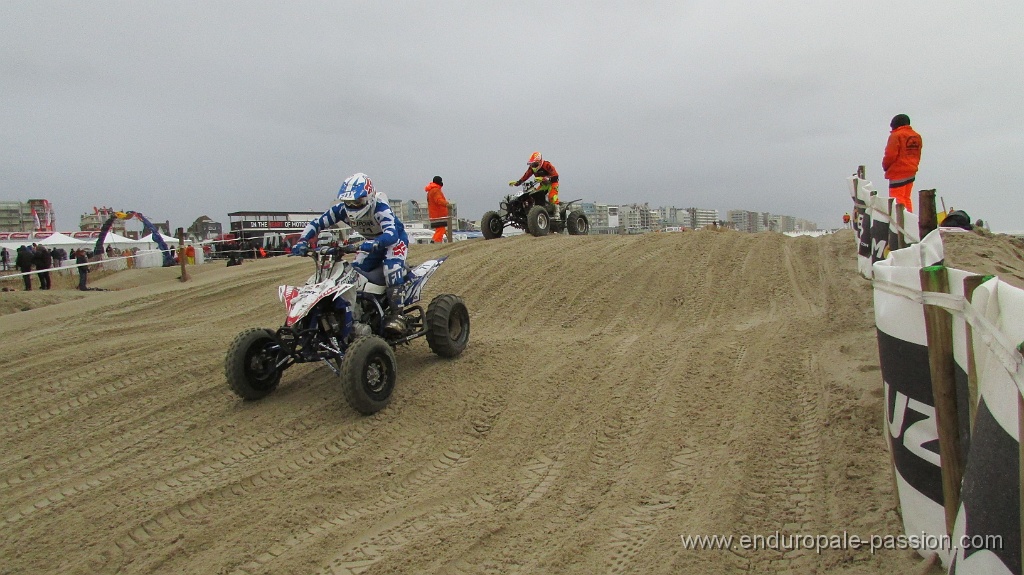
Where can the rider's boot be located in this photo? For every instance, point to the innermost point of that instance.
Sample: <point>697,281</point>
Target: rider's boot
<point>394,322</point>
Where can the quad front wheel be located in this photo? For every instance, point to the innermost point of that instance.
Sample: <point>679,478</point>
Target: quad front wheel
<point>447,325</point>
<point>538,222</point>
<point>251,364</point>
<point>492,225</point>
<point>368,374</point>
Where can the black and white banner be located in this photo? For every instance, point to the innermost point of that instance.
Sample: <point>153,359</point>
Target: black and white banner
<point>873,225</point>
<point>909,404</point>
<point>986,535</point>
<point>987,529</point>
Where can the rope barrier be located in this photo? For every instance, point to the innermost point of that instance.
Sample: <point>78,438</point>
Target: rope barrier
<point>995,340</point>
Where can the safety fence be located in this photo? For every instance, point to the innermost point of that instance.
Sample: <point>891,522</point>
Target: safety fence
<point>950,355</point>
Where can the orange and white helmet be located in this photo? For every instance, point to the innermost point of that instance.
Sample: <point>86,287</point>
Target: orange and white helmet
<point>535,160</point>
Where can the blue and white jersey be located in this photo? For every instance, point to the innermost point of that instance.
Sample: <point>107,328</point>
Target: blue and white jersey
<point>378,224</point>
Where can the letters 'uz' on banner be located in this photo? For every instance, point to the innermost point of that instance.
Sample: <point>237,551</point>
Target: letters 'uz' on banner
<point>912,432</point>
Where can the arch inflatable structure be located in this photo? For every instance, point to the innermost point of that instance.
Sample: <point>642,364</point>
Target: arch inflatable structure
<point>168,260</point>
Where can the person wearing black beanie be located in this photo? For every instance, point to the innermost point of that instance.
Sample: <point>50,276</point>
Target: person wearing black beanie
<point>899,120</point>
<point>437,209</point>
<point>901,160</point>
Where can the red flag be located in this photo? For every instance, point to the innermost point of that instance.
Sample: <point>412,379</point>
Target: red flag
<point>35,217</point>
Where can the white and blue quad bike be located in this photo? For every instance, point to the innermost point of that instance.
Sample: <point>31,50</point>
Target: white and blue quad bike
<point>337,318</point>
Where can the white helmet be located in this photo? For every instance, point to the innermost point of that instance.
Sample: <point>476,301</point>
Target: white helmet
<point>358,195</point>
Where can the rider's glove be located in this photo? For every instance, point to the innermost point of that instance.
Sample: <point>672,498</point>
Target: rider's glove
<point>513,182</point>
<point>371,247</point>
<point>300,248</point>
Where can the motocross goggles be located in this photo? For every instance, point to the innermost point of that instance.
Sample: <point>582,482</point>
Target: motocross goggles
<point>355,203</point>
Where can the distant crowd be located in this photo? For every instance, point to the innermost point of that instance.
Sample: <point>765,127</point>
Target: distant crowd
<point>37,257</point>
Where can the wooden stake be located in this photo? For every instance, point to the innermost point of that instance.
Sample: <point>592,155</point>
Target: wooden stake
<point>181,254</point>
<point>892,242</point>
<point>927,219</point>
<point>448,230</point>
<point>901,241</point>
<point>971,283</point>
<point>939,327</point>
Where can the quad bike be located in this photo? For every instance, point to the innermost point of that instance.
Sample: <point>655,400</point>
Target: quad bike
<point>337,318</point>
<point>530,211</point>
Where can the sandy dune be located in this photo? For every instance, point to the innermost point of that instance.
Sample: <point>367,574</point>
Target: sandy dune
<point>690,384</point>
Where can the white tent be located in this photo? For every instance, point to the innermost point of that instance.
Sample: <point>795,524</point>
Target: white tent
<point>63,242</point>
<point>117,241</point>
<point>60,240</point>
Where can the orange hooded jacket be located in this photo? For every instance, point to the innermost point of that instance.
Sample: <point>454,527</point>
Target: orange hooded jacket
<point>902,154</point>
<point>437,204</point>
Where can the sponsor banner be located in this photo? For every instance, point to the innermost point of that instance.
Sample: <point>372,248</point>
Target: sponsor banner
<point>988,522</point>
<point>879,208</point>
<point>986,536</point>
<point>912,431</point>
<point>270,225</point>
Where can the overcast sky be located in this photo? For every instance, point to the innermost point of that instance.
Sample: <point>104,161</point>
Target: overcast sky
<point>183,109</point>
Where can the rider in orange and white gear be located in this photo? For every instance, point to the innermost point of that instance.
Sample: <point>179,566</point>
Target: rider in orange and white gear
<point>546,174</point>
<point>367,211</point>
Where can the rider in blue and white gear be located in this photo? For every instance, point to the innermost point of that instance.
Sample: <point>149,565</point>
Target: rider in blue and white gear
<point>368,213</point>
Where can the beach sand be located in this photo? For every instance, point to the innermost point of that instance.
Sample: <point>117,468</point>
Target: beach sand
<point>697,383</point>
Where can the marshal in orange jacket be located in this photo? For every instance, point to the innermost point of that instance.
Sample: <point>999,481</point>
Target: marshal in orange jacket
<point>902,154</point>
<point>437,204</point>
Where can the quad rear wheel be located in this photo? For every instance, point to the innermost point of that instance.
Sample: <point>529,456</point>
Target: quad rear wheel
<point>577,223</point>
<point>251,364</point>
<point>368,374</point>
<point>447,324</point>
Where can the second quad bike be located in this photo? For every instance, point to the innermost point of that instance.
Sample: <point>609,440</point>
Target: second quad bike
<point>530,211</point>
<point>337,318</point>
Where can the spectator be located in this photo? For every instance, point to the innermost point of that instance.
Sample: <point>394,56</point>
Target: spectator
<point>5,258</point>
<point>23,260</point>
<point>190,255</point>
<point>83,270</point>
<point>43,261</point>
